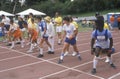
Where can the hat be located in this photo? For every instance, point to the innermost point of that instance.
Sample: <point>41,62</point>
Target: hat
<point>47,18</point>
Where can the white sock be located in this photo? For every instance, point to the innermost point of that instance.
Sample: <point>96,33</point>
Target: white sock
<point>59,40</point>
<point>95,61</point>
<point>49,49</point>
<point>62,56</point>
<point>110,60</point>
<point>13,43</point>
<point>31,47</point>
<point>41,51</point>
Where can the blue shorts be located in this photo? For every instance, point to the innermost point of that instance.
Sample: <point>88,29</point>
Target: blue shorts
<point>70,41</point>
<point>45,37</point>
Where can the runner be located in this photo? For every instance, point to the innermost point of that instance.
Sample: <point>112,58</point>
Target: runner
<point>70,35</point>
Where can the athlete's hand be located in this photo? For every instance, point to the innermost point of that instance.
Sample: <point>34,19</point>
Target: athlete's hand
<point>70,37</point>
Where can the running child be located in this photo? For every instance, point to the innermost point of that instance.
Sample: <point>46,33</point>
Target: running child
<point>70,38</point>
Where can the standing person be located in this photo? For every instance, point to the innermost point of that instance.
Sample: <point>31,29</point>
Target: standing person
<point>3,32</point>
<point>103,41</point>
<point>118,20</point>
<point>58,24</point>
<point>29,18</point>
<point>51,32</point>
<point>6,22</point>
<point>70,35</point>
<point>20,23</point>
<point>112,20</point>
<point>44,35</point>
<point>15,32</point>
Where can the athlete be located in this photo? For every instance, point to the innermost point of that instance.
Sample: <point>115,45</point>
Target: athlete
<point>103,41</point>
<point>70,35</point>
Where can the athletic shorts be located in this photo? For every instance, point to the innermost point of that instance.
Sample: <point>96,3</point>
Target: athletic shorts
<point>7,27</point>
<point>70,41</point>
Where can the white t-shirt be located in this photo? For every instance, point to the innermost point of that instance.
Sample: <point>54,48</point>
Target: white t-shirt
<point>50,29</point>
<point>6,21</point>
<point>69,29</point>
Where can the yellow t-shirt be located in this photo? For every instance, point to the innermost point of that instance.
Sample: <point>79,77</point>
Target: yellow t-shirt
<point>106,26</point>
<point>75,24</point>
<point>58,21</point>
<point>32,25</point>
<point>29,20</point>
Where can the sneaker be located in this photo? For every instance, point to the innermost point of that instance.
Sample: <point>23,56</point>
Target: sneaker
<point>74,54</point>
<point>60,61</point>
<point>9,44</point>
<point>59,43</point>
<point>18,42</point>
<point>113,66</point>
<point>29,51</point>
<point>11,47</point>
<point>107,60</point>
<point>93,71</point>
<point>40,56</point>
<point>50,52</point>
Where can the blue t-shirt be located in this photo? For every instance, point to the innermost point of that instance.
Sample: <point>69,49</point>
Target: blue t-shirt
<point>101,38</point>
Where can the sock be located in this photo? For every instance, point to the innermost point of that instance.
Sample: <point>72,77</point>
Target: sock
<point>13,43</point>
<point>110,60</point>
<point>41,51</point>
<point>59,40</point>
<point>62,56</point>
<point>49,49</point>
<point>31,47</point>
<point>95,61</point>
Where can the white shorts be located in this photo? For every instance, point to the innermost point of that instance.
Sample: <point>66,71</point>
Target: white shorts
<point>59,29</point>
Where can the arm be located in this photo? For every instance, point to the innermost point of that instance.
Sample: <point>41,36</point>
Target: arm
<point>92,45</point>
<point>111,43</point>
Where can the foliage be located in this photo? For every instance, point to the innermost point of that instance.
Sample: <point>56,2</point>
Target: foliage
<point>63,6</point>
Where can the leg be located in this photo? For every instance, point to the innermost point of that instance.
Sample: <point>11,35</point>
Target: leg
<point>13,43</point>
<point>96,58</point>
<point>76,51</point>
<point>109,57</point>
<point>67,51</point>
<point>63,51</point>
<point>41,48</point>
<point>59,37</point>
<point>51,41</point>
<point>21,40</point>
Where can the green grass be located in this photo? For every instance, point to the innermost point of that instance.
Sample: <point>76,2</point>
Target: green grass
<point>93,13</point>
<point>85,28</point>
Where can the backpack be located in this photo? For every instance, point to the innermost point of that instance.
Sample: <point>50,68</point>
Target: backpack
<point>105,34</point>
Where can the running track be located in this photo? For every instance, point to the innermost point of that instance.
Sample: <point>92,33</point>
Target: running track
<point>17,64</point>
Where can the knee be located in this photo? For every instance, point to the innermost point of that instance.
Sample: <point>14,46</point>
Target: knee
<point>96,58</point>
